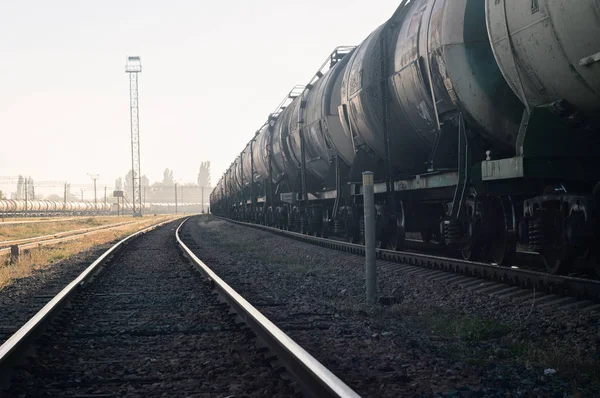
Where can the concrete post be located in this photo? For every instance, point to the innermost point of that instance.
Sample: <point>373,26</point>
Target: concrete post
<point>14,254</point>
<point>370,254</point>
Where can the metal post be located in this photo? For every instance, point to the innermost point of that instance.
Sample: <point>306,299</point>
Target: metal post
<point>243,193</point>
<point>252,177</point>
<point>95,196</point>
<point>26,193</point>
<point>370,255</point>
<point>133,68</point>
<point>175,198</point>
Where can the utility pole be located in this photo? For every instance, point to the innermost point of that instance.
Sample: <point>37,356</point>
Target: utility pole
<point>175,198</point>
<point>94,177</point>
<point>105,194</point>
<point>26,192</point>
<point>65,196</point>
<point>81,189</point>
<point>202,200</point>
<point>133,68</point>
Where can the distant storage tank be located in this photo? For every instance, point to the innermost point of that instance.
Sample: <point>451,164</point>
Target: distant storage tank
<point>548,49</point>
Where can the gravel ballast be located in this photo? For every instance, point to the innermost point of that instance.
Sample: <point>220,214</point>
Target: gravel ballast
<point>24,297</point>
<point>424,338</point>
<point>148,325</point>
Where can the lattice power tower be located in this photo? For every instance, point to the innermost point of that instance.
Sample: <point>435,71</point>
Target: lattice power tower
<point>133,68</point>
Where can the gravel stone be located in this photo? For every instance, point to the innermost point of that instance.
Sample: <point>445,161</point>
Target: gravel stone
<point>425,338</point>
<point>148,325</point>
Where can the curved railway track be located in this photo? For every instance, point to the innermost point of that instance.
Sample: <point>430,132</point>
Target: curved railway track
<point>558,285</point>
<point>136,321</point>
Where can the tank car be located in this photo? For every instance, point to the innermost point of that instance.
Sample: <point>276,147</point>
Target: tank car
<point>478,118</point>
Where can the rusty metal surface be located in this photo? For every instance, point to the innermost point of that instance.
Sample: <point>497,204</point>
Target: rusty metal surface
<point>246,159</point>
<point>324,136</point>
<point>362,93</point>
<point>543,48</point>
<point>259,149</point>
<point>284,165</point>
<point>448,41</point>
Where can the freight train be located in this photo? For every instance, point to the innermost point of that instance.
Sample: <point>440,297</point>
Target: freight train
<point>33,208</point>
<point>479,119</point>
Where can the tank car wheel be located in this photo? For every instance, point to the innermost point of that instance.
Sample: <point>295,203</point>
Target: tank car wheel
<point>396,241</point>
<point>472,252</point>
<point>325,231</point>
<point>426,236</point>
<point>569,242</point>
<point>325,225</point>
<point>557,262</point>
<point>432,237</point>
<point>352,233</point>
<point>397,234</point>
<point>503,238</point>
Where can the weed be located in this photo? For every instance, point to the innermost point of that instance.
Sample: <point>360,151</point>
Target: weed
<point>45,256</point>
<point>22,231</point>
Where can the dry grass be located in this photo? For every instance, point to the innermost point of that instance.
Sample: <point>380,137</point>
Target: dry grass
<point>21,231</point>
<point>48,256</point>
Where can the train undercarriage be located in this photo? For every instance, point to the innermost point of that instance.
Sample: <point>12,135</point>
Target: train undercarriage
<point>545,200</point>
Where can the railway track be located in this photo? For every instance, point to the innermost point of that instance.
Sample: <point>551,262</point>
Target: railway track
<point>587,291</point>
<point>35,221</point>
<point>139,322</point>
<point>26,243</point>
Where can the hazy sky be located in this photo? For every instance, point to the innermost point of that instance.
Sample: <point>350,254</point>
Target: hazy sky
<point>212,72</point>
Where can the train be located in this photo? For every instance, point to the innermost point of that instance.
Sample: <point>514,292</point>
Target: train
<point>479,120</point>
<point>37,208</point>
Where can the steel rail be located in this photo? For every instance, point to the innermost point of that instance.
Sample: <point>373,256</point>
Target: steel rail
<point>13,349</point>
<point>580,288</point>
<point>315,378</point>
<point>32,220</point>
<point>43,238</point>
